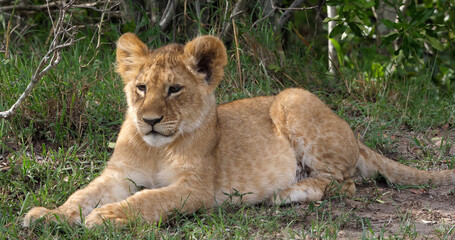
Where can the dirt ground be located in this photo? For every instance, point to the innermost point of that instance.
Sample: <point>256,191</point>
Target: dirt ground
<point>427,209</point>
<point>389,208</point>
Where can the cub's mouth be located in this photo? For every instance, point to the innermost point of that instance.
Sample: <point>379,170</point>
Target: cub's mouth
<point>153,132</point>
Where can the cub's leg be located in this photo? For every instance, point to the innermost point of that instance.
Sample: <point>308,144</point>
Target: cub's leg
<point>325,147</point>
<point>111,186</point>
<point>313,189</point>
<point>189,193</point>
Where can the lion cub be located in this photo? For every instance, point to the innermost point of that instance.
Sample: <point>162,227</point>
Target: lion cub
<point>188,153</point>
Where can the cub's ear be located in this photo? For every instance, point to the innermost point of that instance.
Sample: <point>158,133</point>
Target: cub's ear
<point>131,55</point>
<point>207,55</point>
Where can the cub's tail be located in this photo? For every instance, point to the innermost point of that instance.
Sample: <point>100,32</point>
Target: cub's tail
<point>371,162</point>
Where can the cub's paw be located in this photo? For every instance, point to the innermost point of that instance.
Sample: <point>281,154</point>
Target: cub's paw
<point>37,213</point>
<point>68,215</point>
<point>113,213</point>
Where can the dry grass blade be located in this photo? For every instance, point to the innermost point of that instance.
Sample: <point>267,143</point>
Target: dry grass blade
<point>237,54</point>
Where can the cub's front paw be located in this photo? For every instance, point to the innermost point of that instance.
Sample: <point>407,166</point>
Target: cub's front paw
<point>36,213</point>
<point>70,215</point>
<point>113,213</point>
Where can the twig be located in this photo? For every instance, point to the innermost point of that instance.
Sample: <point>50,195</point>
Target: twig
<point>296,8</point>
<point>92,6</point>
<point>30,7</point>
<point>56,4</point>
<point>101,23</point>
<point>239,7</point>
<point>263,18</point>
<point>268,7</point>
<point>287,14</point>
<point>98,42</point>
<point>64,35</point>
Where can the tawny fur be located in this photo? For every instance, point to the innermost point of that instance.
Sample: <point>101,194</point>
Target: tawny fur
<point>285,148</point>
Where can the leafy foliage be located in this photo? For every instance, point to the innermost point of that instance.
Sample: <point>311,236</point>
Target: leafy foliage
<point>420,35</point>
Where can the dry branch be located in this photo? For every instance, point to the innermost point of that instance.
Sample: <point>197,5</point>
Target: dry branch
<point>168,14</point>
<point>63,37</point>
<point>239,7</point>
<point>56,4</point>
<point>287,14</point>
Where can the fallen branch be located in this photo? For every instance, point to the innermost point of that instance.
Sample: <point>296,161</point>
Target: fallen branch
<point>64,35</point>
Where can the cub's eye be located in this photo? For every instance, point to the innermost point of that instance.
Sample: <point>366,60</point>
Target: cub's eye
<point>174,89</point>
<point>141,87</point>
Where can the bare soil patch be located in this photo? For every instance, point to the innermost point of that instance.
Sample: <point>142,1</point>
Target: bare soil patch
<point>391,210</point>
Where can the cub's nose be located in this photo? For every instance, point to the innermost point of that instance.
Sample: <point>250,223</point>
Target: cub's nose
<point>152,122</point>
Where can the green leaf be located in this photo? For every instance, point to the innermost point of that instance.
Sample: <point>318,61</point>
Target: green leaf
<point>327,19</point>
<point>355,29</point>
<point>405,45</point>
<point>337,30</point>
<point>337,47</point>
<point>421,17</point>
<point>363,4</point>
<point>435,43</point>
<point>274,68</point>
<point>388,38</point>
<point>412,9</point>
<point>389,24</point>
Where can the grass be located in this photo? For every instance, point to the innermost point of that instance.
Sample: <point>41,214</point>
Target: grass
<point>59,140</point>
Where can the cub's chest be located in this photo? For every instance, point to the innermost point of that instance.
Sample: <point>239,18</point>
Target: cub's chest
<point>152,176</point>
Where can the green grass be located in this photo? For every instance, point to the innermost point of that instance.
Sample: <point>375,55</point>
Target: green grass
<point>59,139</point>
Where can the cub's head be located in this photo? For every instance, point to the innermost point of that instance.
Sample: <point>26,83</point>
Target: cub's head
<point>170,89</point>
